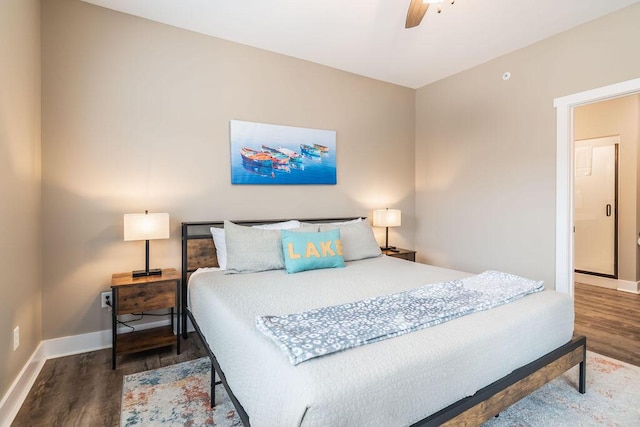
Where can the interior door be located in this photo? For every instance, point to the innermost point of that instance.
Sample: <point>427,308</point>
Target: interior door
<point>595,207</point>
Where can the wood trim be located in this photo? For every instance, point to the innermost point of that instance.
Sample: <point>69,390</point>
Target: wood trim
<point>507,397</point>
<point>202,253</point>
<point>498,396</point>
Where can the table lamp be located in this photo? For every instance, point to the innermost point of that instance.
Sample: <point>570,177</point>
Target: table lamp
<point>387,218</point>
<point>146,226</point>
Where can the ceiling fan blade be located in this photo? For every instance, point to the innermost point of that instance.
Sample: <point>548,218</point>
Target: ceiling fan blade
<point>416,12</point>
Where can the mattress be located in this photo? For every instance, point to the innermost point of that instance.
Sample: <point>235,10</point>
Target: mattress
<point>394,382</point>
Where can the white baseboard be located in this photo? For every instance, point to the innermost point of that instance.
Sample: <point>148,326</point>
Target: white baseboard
<point>19,389</point>
<point>606,282</point>
<point>74,344</point>
<point>632,287</point>
<point>54,348</point>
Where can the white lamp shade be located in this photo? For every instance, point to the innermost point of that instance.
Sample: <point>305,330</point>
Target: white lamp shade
<point>387,218</point>
<point>148,226</point>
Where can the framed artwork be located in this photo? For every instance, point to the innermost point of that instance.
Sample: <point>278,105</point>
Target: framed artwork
<point>273,154</point>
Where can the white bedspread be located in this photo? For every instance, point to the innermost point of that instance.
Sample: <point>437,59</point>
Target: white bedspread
<point>389,383</point>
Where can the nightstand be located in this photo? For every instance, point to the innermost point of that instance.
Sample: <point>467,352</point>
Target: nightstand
<point>136,295</point>
<point>407,254</point>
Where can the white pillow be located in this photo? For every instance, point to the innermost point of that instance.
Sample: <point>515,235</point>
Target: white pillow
<point>286,225</point>
<point>221,246</point>
<point>352,221</point>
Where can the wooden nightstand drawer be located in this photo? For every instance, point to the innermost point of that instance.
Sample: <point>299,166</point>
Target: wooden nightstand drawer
<point>407,254</point>
<point>146,297</point>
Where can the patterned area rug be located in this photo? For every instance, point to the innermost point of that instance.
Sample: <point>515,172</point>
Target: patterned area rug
<point>178,395</point>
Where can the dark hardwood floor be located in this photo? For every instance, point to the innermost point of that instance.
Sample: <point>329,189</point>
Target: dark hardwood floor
<point>610,320</point>
<point>82,390</point>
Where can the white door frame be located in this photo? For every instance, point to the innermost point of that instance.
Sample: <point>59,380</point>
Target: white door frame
<point>564,172</point>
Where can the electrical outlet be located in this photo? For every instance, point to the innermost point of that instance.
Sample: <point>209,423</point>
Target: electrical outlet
<point>105,300</point>
<point>16,338</point>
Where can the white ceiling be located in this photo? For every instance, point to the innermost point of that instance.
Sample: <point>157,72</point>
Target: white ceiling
<point>368,37</point>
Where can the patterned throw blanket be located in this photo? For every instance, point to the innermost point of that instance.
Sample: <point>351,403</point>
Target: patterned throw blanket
<point>318,332</point>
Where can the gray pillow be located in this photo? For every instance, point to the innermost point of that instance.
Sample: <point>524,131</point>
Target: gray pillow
<point>358,241</point>
<point>252,249</point>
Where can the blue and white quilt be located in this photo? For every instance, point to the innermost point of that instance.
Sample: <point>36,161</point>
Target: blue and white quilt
<point>326,330</point>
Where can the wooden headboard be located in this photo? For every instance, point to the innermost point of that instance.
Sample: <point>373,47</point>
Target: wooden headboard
<point>198,250</point>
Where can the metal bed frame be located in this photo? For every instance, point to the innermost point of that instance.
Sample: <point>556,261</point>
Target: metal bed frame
<point>198,251</point>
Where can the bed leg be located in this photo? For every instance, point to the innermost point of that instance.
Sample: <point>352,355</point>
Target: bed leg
<point>213,387</point>
<point>582,381</point>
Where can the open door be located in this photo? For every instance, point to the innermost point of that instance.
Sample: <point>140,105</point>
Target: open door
<point>595,207</point>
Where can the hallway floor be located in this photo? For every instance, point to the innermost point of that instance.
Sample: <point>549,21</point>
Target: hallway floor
<point>610,320</point>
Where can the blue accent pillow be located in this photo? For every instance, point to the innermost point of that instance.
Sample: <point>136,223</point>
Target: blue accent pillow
<point>310,251</point>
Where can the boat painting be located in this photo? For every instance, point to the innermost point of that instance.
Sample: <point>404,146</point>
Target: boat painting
<point>263,171</point>
<point>277,157</point>
<point>293,156</point>
<point>255,157</point>
<point>268,149</point>
<point>322,148</point>
<point>309,150</point>
<point>268,154</point>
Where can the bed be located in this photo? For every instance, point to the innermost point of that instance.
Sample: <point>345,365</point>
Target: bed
<point>461,372</point>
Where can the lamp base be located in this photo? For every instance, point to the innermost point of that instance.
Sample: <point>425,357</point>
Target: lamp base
<point>389,248</point>
<point>145,273</point>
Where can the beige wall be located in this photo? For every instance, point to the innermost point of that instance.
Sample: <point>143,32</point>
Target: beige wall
<point>136,116</point>
<point>485,148</point>
<point>618,116</point>
<point>19,184</point>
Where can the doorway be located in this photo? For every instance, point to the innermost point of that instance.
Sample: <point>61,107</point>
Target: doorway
<point>564,176</point>
<point>596,206</point>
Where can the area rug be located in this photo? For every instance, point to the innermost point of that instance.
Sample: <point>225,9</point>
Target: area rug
<point>178,395</point>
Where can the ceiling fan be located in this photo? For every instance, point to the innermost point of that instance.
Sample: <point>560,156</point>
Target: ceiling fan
<point>417,9</point>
